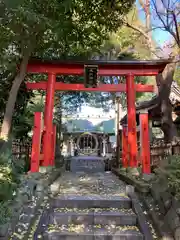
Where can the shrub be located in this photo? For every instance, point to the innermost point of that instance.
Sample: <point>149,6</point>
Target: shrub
<point>171,172</point>
<point>5,212</point>
<point>10,173</point>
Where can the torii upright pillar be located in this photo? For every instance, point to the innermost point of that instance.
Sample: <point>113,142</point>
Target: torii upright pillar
<point>48,121</point>
<point>131,110</point>
<point>125,156</point>
<point>145,143</point>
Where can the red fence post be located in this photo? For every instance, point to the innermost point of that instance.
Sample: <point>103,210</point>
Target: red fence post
<point>145,143</point>
<point>48,120</point>
<point>36,142</point>
<point>131,110</point>
<point>124,147</point>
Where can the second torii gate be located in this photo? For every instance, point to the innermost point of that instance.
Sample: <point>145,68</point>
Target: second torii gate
<point>129,69</point>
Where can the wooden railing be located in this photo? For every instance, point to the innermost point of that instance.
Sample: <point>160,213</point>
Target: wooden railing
<point>160,151</point>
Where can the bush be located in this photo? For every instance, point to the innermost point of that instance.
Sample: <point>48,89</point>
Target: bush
<point>5,212</point>
<point>10,173</point>
<point>171,172</point>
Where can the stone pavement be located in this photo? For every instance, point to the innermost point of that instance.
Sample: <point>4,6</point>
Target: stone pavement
<point>101,183</point>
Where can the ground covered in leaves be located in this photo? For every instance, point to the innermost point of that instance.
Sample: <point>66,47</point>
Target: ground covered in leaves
<point>106,184</point>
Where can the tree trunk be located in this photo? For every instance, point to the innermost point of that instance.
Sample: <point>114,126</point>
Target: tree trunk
<point>6,125</point>
<point>168,127</point>
<point>164,81</point>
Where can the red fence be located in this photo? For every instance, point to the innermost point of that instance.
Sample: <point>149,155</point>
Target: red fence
<point>161,151</point>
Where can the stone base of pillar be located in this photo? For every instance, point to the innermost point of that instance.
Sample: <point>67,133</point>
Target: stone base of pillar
<point>124,170</point>
<point>133,171</point>
<point>130,189</point>
<point>45,169</point>
<point>147,177</point>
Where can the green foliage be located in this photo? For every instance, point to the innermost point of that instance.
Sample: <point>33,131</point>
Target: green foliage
<point>9,176</point>
<point>5,212</point>
<point>171,173</point>
<point>52,29</point>
<point>126,40</point>
<point>6,79</point>
<point>177,74</point>
<point>10,172</point>
<point>23,120</point>
<point>56,28</point>
<point>20,121</point>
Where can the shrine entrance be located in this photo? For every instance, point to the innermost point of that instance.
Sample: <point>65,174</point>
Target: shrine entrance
<point>44,133</point>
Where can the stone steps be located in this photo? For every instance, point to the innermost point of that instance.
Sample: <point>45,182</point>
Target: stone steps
<point>92,232</point>
<point>120,217</point>
<point>90,217</point>
<point>73,201</point>
<point>90,207</point>
<point>88,164</point>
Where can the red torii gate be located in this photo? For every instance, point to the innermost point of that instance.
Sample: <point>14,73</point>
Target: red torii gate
<point>129,69</point>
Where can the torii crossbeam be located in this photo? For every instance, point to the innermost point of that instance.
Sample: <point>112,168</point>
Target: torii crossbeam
<point>59,86</point>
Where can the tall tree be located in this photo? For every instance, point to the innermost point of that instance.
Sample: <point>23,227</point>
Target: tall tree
<point>31,27</point>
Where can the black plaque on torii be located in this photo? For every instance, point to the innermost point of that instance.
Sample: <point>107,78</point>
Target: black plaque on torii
<point>90,76</point>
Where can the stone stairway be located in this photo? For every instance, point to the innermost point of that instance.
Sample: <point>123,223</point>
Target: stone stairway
<point>89,207</point>
<point>91,164</point>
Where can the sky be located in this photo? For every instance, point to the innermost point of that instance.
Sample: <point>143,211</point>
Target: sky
<point>159,35</point>
<point>96,115</point>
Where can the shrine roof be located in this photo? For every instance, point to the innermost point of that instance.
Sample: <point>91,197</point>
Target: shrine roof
<point>91,132</point>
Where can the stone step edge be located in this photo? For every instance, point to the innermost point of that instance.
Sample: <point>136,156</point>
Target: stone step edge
<point>104,213</point>
<point>96,232</point>
<point>70,197</point>
<point>122,202</point>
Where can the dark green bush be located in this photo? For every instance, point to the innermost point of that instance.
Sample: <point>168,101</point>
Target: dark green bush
<point>5,212</point>
<point>10,173</point>
<point>171,172</point>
